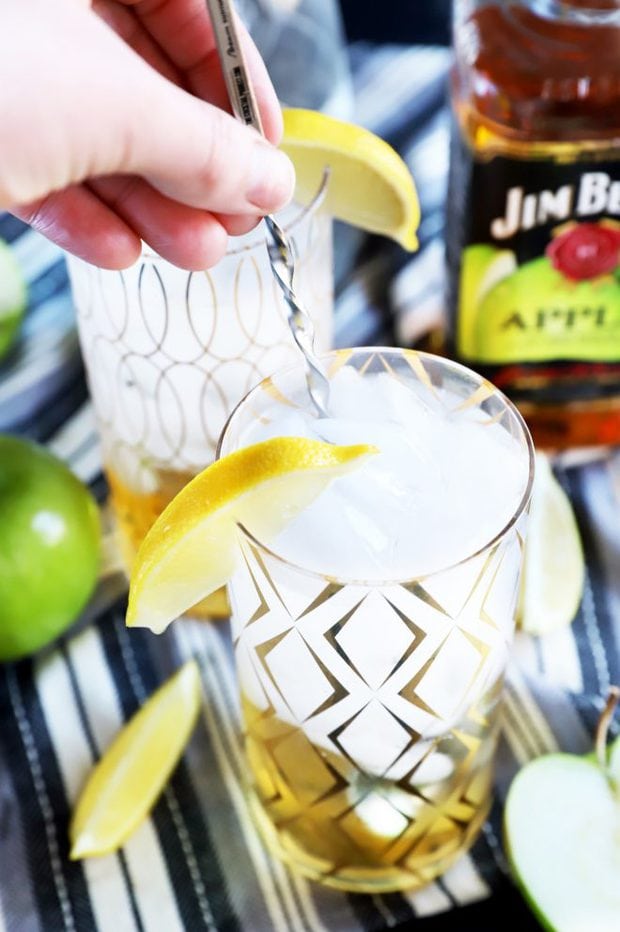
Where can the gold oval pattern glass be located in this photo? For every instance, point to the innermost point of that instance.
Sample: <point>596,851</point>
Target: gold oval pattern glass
<point>169,354</point>
<point>365,772</point>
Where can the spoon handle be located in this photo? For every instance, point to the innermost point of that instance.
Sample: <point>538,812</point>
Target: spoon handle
<point>280,250</point>
<point>240,91</point>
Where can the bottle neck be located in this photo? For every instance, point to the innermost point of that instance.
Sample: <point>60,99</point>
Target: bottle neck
<point>585,12</point>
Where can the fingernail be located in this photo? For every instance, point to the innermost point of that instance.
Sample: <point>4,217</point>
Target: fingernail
<point>272,178</point>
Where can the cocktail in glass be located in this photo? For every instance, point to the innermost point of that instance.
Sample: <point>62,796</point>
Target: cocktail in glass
<point>372,635</point>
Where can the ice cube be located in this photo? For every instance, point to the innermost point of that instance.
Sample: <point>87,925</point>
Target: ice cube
<point>442,486</point>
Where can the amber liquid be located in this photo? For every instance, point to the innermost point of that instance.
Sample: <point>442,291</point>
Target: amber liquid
<point>545,87</point>
<point>334,822</point>
<point>135,512</point>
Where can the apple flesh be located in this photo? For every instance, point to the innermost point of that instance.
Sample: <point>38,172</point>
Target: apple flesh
<point>562,828</point>
<point>49,547</point>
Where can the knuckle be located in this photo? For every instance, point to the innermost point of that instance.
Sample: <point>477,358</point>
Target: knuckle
<point>40,215</point>
<point>120,195</point>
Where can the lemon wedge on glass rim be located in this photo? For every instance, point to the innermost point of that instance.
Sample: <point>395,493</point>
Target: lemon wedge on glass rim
<point>369,184</point>
<point>192,548</point>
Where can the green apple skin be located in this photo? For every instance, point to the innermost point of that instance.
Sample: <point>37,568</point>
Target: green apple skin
<point>9,329</point>
<point>534,793</point>
<point>474,263</point>
<point>482,267</point>
<point>13,298</point>
<point>49,547</point>
<point>508,325</point>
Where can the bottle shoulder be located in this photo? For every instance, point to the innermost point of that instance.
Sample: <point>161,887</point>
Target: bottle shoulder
<point>538,77</point>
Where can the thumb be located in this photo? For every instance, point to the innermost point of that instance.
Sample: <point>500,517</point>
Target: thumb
<point>91,106</point>
<point>196,153</point>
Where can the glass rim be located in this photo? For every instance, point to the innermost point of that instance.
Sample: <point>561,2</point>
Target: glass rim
<point>304,211</point>
<point>410,580</point>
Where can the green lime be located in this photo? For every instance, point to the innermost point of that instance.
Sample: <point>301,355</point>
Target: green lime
<point>49,547</point>
<point>13,298</point>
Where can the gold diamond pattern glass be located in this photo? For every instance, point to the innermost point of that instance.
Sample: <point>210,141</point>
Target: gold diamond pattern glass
<point>169,354</point>
<point>365,771</point>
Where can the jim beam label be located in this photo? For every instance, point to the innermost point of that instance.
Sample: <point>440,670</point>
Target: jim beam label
<point>534,260</point>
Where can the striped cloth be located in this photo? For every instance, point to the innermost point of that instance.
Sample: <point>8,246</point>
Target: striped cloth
<point>197,862</point>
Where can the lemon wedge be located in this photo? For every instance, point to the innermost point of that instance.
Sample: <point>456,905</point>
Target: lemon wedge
<point>369,184</point>
<point>554,567</point>
<point>191,549</point>
<point>126,782</point>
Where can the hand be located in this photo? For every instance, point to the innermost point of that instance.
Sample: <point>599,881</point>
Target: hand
<point>113,129</point>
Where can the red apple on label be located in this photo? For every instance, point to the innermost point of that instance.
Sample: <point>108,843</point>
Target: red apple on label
<point>586,250</point>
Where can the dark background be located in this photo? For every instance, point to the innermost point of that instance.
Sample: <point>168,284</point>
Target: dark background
<point>405,21</point>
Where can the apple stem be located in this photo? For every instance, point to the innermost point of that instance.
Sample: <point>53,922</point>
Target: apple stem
<point>613,697</point>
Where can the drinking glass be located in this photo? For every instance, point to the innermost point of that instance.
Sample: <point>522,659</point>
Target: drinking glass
<point>169,353</point>
<point>371,709</point>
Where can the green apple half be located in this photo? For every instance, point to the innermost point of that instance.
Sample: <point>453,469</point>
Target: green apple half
<point>562,829</point>
<point>13,298</point>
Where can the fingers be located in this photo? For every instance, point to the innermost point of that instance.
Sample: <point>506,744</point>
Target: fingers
<point>238,224</point>
<point>105,225</point>
<point>182,29</point>
<point>192,239</point>
<point>126,25</point>
<point>197,154</point>
<point>125,118</point>
<point>81,223</point>
<point>104,111</point>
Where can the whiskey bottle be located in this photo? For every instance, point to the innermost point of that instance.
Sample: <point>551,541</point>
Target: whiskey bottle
<point>533,215</point>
